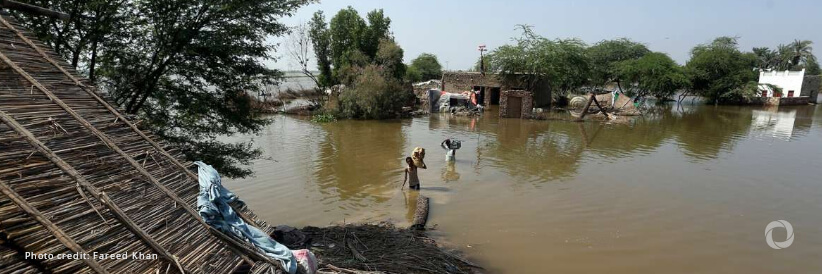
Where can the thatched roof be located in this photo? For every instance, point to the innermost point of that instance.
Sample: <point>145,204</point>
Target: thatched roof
<point>76,176</point>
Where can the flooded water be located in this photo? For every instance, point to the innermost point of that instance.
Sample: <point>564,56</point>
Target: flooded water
<point>683,191</point>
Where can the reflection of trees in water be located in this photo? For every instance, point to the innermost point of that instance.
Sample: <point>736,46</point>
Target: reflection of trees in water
<point>705,132</point>
<point>533,149</point>
<point>549,150</point>
<point>360,159</point>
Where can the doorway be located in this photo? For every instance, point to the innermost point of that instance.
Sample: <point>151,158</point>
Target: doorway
<point>494,96</point>
<point>514,107</point>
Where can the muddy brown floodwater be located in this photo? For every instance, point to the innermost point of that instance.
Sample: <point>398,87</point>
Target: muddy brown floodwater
<point>682,191</point>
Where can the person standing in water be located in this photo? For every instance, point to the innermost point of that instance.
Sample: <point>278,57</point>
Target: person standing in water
<point>411,175</point>
<point>451,147</point>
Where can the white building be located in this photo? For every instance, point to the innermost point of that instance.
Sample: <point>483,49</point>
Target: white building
<point>790,82</point>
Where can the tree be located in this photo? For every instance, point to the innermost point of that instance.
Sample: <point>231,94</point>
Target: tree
<point>428,66</point>
<point>373,95</point>
<point>719,67</point>
<point>185,67</point>
<point>533,59</point>
<point>92,28</point>
<point>299,48</point>
<point>812,67</point>
<point>366,59</point>
<point>799,52</point>
<point>320,37</point>
<point>653,74</point>
<point>412,74</point>
<point>608,54</point>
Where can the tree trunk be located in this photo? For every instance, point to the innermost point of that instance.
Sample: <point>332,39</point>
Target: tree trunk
<point>421,214</point>
<point>93,61</point>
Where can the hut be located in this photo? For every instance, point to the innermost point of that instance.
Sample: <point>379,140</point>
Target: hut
<point>79,179</point>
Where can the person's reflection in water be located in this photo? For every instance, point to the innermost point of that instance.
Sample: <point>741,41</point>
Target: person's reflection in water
<point>450,174</point>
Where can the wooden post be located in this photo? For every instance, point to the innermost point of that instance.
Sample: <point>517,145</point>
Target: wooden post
<point>587,106</point>
<point>421,214</point>
<point>51,227</point>
<point>28,8</point>
<point>600,108</point>
<point>74,174</point>
<point>113,111</point>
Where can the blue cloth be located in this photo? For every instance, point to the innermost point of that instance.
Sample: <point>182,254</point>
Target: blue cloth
<point>212,204</point>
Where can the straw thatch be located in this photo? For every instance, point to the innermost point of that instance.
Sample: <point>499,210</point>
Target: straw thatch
<point>76,176</point>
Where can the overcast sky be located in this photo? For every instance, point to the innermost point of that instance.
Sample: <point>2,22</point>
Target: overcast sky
<point>453,29</point>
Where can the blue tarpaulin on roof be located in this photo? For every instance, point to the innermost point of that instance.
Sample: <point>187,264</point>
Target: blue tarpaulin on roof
<point>213,205</point>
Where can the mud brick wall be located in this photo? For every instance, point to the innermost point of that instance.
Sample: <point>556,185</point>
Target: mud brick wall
<point>464,81</point>
<point>527,102</point>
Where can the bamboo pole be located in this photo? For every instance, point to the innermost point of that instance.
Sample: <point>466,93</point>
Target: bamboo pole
<point>74,174</point>
<point>113,111</point>
<point>51,227</point>
<point>27,8</point>
<point>116,148</point>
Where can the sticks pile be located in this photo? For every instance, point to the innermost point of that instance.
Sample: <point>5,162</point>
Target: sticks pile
<point>382,248</point>
<point>120,210</point>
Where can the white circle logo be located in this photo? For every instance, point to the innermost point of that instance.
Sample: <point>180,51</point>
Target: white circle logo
<point>769,234</point>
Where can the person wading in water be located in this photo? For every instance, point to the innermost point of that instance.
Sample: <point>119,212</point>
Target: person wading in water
<point>411,175</point>
<point>451,147</point>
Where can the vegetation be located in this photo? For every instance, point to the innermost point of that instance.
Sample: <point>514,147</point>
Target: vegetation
<point>717,69</point>
<point>323,118</point>
<point>796,55</point>
<point>185,67</point>
<point>606,57</point>
<point>363,57</point>
<point>653,74</point>
<point>424,67</point>
<point>563,63</point>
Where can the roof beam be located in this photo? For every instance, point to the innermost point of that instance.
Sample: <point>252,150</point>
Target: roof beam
<point>250,250</point>
<point>102,197</point>
<point>51,227</point>
<point>89,90</point>
<point>32,9</point>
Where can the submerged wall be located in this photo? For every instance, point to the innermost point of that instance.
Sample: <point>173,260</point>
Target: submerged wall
<point>527,103</point>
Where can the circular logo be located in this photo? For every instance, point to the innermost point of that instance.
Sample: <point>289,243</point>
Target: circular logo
<point>769,234</point>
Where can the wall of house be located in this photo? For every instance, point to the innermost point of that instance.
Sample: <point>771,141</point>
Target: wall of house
<point>787,80</point>
<point>810,87</point>
<point>459,81</point>
<point>527,102</point>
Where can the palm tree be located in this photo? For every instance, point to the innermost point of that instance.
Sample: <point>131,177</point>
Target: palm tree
<point>767,58</point>
<point>800,52</point>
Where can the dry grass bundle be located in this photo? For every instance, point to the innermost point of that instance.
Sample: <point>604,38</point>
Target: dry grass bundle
<point>382,248</point>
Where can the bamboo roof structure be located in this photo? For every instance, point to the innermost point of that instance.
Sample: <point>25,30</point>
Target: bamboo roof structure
<point>77,176</point>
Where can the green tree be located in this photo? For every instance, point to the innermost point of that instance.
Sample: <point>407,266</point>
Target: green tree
<point>608,54</point>
<point>563,63</point>
<point>373,95</point>
<point>718,68</point>
<point>812,67</point>
<point>94,25</point>
<point>389,57</point>
<point>185,67</point>
<point>412,74</point>
<point>799,52</point>
<point>366,59</point>
<point>428,66</point>
<point>653,74</point>
<point>321,42</point>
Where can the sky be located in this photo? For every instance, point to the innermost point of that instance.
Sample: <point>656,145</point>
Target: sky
<point>452,30</point>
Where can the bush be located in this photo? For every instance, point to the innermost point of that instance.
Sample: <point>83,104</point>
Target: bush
<point>324,118</point>
<point>374,96</point>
